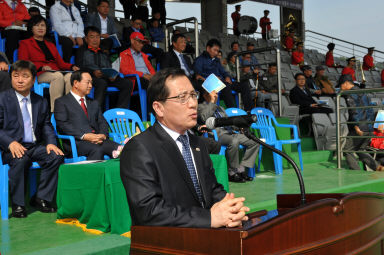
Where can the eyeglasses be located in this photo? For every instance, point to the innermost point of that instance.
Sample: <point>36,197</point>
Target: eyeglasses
<point>184,97</point>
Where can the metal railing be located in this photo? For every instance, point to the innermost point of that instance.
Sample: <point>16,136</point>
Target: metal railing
<point>196,31</point>
<point>278,63</point>
<point>339,148</point>
<point>344,49</point>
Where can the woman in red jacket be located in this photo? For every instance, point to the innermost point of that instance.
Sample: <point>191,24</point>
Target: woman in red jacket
<point>47,59</point>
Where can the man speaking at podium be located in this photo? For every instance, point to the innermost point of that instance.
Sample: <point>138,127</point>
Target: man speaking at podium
<point>168,174</point>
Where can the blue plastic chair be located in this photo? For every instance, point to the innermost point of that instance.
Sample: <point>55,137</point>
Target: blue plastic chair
<point>2,44</point>
<point>142,94</point>
<point>109,91</point>
<point>152,118</point>
<point>39,87</point>
<point>236,98</point>
<point>238,112</point>
<point>123,123</point>
<point>265,119</point>
<point>60,48</point>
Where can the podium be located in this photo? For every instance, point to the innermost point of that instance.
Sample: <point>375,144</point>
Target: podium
<point>351,223</point>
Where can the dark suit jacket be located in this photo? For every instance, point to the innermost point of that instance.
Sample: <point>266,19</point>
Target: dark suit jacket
<point>94,20</point>
<point>297,96</point>
<point>170,59</point>
<point>71,119</point>
<point>11,120</point>
<point>159,188</point>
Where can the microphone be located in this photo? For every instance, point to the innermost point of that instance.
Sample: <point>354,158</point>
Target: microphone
<point>242,121</point>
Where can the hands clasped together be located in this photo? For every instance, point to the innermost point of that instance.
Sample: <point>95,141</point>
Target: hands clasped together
<point>229,212</point>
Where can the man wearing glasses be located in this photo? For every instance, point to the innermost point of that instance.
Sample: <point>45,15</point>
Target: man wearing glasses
<point>134,61</point>
<point>167,174</point>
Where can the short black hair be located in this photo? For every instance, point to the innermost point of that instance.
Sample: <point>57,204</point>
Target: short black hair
<point>157,89</point>
<point>136,17</point>
<point>33,21</point>
<point>298,74</point>
<point>213,42</point>
<point>233,43</point>
<point>102,1</point>
<point>22,65</point>
<point>91,29</point>
<point>272,64</point>
<point>175,37</point>
<point>33,9</point>
<point>77,76</point>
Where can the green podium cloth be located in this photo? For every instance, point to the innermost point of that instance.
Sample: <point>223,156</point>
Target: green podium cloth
<point>95,196</point>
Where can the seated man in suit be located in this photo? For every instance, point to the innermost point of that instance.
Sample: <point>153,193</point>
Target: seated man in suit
<point>93,60</point>
<point>168,175</point>
<point>82,118</point>
<point>26,135</point>
<point>104,23</point>
<point>134,61</point>
<point>176,59</point>
<point>227,136</point>
<point>208,63</point>
<point>301,96</point>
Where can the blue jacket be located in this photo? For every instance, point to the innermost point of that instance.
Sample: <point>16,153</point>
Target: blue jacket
<point>205,65</point>
<point>157,34</point>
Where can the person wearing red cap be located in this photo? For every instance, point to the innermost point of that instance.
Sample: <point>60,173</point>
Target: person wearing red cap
<point>265,24</point>
<point>134,61</point>
<point>368,60</point>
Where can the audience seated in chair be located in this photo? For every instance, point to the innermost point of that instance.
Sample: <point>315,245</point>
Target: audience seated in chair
<point>13,13</point>
<point>67,22</point>
<point>136,26</point>
<point>5,80</point>
<point>227,136</point>
<point>81,117</point>
<point>189,49</point>
<point>310,81</point>
<point>360,128</point>
<point>176,59</point>
<point>134,61</point>
<point>105,23</point>
<point>322,81</point>
<point>44,55</point>
<point>268,85</point>
<point>26,135</point>
<point>298,55</point>
<point>92,59</point>
<point>301,96</point>
<point>208,63</point>
<point>157,33</point>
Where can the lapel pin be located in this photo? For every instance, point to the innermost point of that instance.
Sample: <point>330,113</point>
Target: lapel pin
<point>197,149</point>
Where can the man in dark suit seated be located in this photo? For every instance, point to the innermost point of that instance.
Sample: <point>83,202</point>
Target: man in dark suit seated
<point>167,174</point>
<point>26,135</point>
<point>208,63</point>
<point>176,59</point>
<point>104,23</point>
<point>301,95</point>
<point>82,118</point>
<point>91,59</point>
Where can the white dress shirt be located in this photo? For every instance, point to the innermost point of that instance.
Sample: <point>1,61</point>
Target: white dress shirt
<point>104,24</point>
<point>77,97</point>
<point>29,107</point>
<point>176,135</point>
<point>62,22</point>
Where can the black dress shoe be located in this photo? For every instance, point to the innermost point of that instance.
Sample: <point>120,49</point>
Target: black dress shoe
<point>245,176</point>
<point>42,205</point>
<point>19,211</point>
<point>236,178</point>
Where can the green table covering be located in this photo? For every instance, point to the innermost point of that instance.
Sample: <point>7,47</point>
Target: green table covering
<point>95,196</point>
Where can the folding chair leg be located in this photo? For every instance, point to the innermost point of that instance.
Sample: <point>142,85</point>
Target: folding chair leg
<point>300,156</point>
<point>259,160</point>
<point>4,191</point>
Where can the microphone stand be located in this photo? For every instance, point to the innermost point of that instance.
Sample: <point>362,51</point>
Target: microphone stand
<point>251,136</point>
